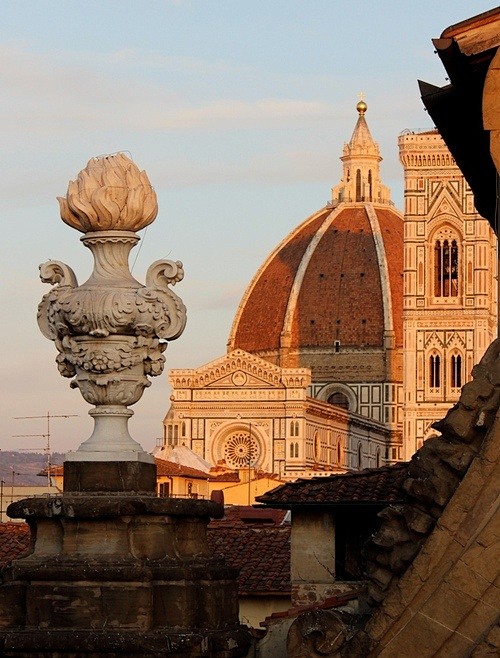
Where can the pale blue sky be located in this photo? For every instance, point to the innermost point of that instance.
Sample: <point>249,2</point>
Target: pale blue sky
<point>237,110</point>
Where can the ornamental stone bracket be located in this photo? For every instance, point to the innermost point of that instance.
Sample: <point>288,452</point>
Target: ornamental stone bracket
<point>111,331</point>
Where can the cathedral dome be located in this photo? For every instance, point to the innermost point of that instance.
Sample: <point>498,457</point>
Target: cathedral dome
<point>333,289</point>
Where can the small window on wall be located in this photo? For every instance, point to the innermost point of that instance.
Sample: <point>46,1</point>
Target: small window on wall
<point>446,268</point>
<point>164,489</point>
<point>434,371</point>
<point>456,371</point>
<point>360,457</point>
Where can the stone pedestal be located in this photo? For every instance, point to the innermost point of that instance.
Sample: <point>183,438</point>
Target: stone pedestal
<point>119,575</point>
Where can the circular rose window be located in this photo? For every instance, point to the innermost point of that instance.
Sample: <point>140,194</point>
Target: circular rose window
<point>241,450</point>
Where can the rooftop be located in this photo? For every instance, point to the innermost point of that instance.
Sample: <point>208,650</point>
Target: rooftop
<point>257,543</point>
<point>370,486</point>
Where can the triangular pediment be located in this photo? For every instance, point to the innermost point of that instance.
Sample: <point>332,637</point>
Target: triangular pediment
<point>444,205</point>
<point>433,340</point>
<point>238,369</point>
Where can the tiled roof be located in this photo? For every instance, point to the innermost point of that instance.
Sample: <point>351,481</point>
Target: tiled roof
<point>260,551</point>
<point>224,477</point>
<point>14,541</point>
<point>165,468</point>
<point>372,485</point>
<point>243,515</point>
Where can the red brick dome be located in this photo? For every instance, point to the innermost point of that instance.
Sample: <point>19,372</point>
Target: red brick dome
<point>334,283</point>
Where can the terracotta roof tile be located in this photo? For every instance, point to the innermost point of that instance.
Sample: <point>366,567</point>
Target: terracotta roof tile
<point>166,468</point>
<point>224,477</point>
<point>372,485</point>
<point>260,551</point>
<point>163,466</point>
<point>14,541</point>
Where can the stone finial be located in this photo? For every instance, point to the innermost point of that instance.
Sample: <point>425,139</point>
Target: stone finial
<point>111,331</point>
<point>111,193</point>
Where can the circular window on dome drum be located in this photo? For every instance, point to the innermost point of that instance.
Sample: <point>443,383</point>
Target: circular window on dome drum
<point>241,450</point>
<point>338,399</point>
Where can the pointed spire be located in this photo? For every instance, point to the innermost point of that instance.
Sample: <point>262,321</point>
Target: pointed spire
<point>361,166</point>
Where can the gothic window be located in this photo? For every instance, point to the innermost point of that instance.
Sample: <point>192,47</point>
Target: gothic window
<point>296,428</point>
<point>378,458</point>
<point>296,450</point>
<point>176,433</point>
<point>370,198</point>
<point>183,428</point>
<point>456,371</point>
<point>446,268</point>
<point>292,429</point>
<point>339,453</point>
<point>358,185</point>
<point>338,399</point>
<point>169,431</point>
<point>434,371</point>
<point>360,459</point>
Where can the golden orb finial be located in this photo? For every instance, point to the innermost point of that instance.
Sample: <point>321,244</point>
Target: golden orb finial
<point>361,106</point>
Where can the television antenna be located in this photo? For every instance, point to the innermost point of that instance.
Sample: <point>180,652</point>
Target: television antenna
<point>48,416</point>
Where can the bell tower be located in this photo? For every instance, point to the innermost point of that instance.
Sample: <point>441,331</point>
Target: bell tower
<point>449,304</point>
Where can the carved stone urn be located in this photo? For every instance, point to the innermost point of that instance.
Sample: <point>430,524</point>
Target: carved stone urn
<point>111,331</point>
<point>112,569</point>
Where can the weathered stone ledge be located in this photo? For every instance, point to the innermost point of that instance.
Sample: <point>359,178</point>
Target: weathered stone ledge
<point>81,506</point>
<point>34,643</point>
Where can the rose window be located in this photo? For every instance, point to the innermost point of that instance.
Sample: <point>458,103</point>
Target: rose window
<point>241,450</point>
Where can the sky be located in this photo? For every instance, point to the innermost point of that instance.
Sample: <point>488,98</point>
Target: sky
<point>237,110</point>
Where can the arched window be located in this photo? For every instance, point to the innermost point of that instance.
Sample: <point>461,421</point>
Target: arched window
<point>292,428</point>
<point>378,458</point>
<point>338,399</point>
<point>360,458</point>
<point>292,451</point>
<point>183,428</point>
<point>434,371</point>
<point>370,186</point>
<point>456,371</point>
<point>358,185</point>
<point>446,268</point>
<point>296,450</point>
<point>339,454</point>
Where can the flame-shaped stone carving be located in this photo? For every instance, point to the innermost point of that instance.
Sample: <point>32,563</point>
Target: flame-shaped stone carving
<point>110,193</point>
<point>111,331</point>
